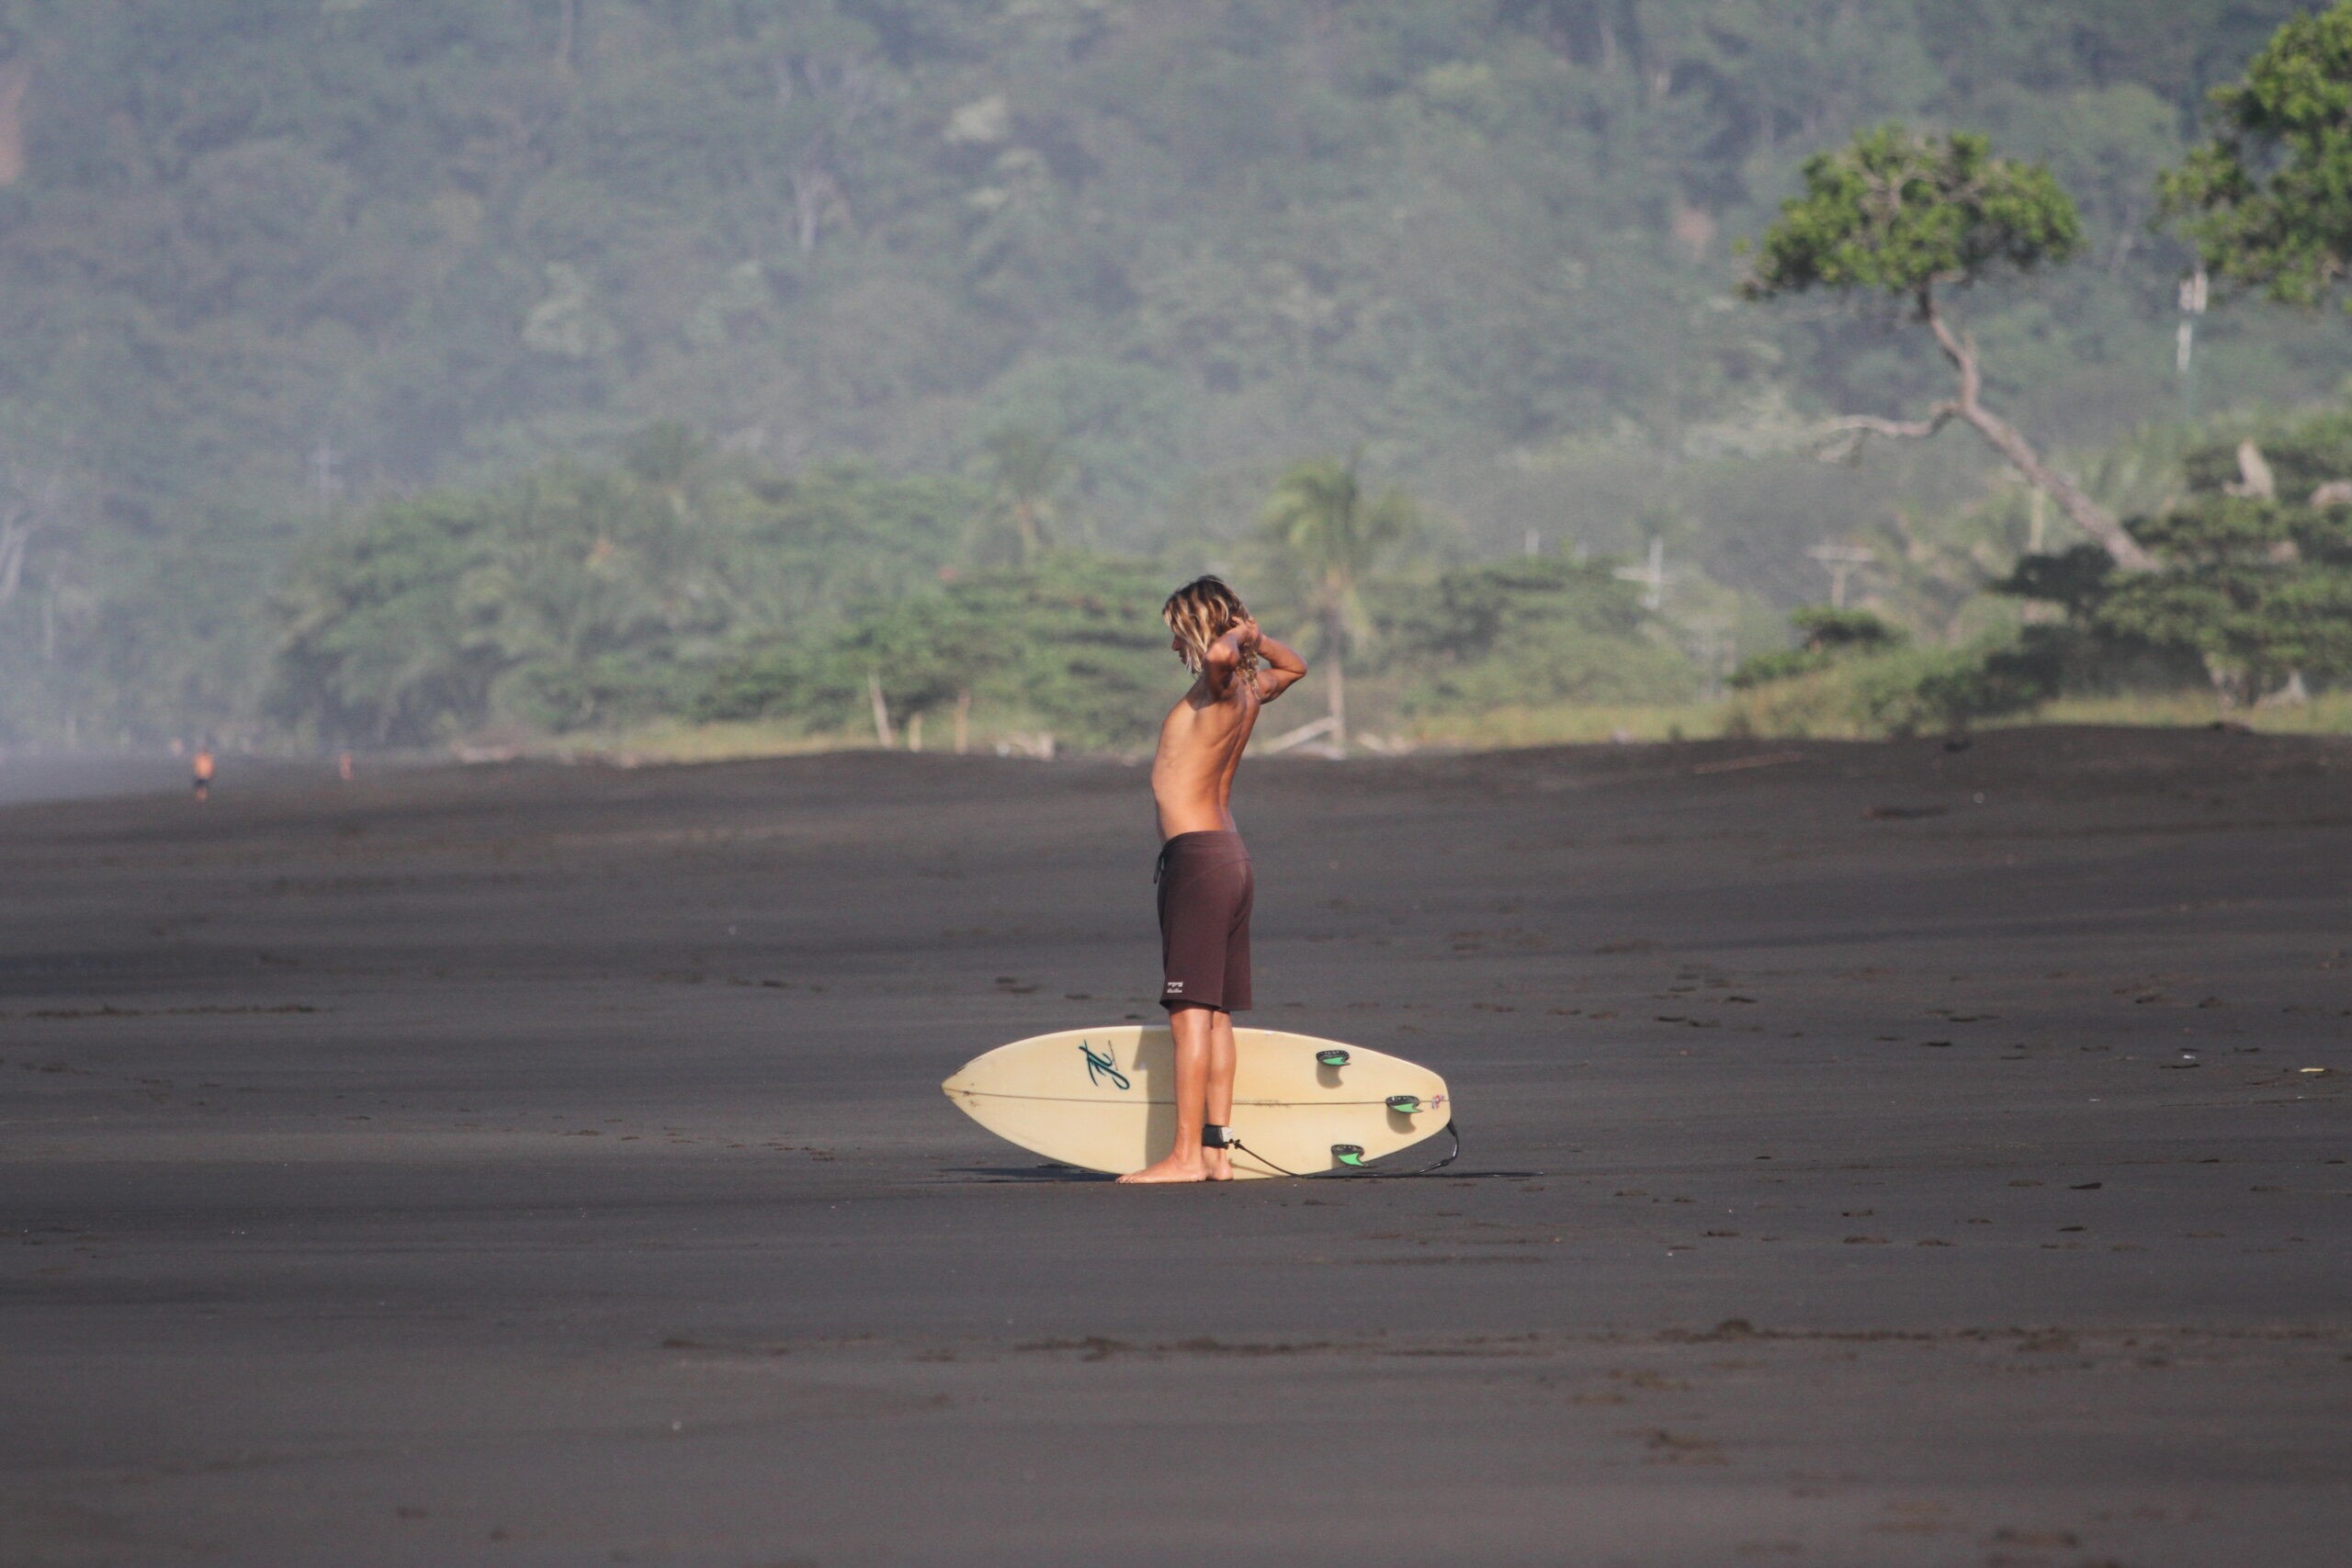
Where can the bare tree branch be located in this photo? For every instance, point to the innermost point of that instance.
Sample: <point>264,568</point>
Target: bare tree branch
<point>1846,438</point>
<point>1842,440</point>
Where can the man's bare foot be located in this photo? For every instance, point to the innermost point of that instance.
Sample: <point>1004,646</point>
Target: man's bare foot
<point>1218,1163</point>
<point>1175,1168</point>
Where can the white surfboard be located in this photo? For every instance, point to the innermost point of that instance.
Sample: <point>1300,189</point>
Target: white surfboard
<point>1104,1099</point>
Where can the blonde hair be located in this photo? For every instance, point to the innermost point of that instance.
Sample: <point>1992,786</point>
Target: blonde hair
<point>1201,611</point>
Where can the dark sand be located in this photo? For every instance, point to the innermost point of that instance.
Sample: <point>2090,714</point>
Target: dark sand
<point>538,1166</point>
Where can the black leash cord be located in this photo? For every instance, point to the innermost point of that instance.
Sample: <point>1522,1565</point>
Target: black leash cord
<point>1345,1174</point>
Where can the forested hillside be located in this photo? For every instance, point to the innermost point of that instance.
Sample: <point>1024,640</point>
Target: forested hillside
<point>262,261</point>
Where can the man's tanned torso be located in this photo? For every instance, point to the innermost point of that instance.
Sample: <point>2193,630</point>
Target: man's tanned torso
<point>1200,742</point>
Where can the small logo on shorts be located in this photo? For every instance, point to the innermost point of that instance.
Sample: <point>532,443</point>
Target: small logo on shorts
<point>1175,987</point>
<point>1106,1065</point>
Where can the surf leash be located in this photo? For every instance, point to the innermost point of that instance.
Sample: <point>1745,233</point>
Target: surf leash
<point>1350,1156</point>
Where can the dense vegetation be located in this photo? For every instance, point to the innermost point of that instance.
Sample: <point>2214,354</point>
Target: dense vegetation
<point>2256,580</point>
<point>287,271</point>
<point>682,582</point>
<point>578,595</point>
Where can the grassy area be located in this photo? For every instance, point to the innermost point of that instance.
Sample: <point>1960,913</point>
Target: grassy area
<point>1568,724</point>
<point>674,741</point>
<point>2329,714</point>
<point>1496,729</point>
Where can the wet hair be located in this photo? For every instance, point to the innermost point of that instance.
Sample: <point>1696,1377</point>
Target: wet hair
<point>1201,611</point>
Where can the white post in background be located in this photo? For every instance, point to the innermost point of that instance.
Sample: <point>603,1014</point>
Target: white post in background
<point>2196,293</point>
<point>324,483</point>
<point>1842,561</point>
<point>1651,577</point>
<point>882,734</point>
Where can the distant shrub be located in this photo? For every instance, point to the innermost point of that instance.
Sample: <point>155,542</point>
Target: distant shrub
<point>1902,690</point>
<point>1525,633</point>
<point>2253,588</point>
<point>1072,645</point>
<point>1828,636</point>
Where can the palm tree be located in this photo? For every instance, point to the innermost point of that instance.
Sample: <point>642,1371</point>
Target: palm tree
<point>1026,468</point>
<point>1326,531</point>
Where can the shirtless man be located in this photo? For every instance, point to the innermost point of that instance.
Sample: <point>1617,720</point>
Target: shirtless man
<point>1206,884</point>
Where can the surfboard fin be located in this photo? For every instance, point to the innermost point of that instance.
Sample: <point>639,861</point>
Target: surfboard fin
<point>1408,1104</point>
<point>1330,1059</point>
<point>1349,1154</point>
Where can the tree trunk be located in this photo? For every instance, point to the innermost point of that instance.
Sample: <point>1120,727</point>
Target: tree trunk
<point>2003,437</point>
<point>16,537</point>
<point>2010,443</point>
<point>813,190</point>
<point>1339,698</point>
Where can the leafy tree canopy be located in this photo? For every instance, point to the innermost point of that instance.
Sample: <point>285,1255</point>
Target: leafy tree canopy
<point>2268,199</point>
<point>1328,533</point>
<point>581,595</point>
<point>1908,215</point>
<point>1901,212</point>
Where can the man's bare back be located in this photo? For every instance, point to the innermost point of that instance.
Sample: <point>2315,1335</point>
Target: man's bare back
<point>1202,738</point>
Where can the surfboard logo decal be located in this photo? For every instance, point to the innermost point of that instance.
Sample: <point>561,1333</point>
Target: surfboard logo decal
<point>1106,1065</point>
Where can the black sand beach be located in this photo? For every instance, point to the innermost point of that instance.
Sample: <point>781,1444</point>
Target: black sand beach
<point>540,1166</point>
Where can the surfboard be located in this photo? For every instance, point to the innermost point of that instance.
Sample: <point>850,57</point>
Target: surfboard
<point>1104,1099</point>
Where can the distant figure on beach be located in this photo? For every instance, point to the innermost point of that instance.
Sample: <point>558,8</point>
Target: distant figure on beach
<point>1206,882</point>
<point>203,773</point>
<point>343,766</point>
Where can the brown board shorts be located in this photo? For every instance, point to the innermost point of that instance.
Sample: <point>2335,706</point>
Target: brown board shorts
<point>1206,889</point>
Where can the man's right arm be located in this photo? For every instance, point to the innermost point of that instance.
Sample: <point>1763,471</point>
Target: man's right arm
<point>1284,668</point>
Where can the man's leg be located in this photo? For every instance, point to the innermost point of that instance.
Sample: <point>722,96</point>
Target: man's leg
<point>1218,1097</point>
<point>1195,1029</point>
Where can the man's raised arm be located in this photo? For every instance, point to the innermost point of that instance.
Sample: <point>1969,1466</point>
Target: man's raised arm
<point>1283,669</point>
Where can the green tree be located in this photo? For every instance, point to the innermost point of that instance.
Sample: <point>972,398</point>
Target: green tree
<point>1525,632</point>
<point>2260,591</point>
<point>2255,585</point>
<point>2268,200</point>
<point>1072,645</point>
<point>1328,534</point>
<point>584,595</point>
<point>1188,240</point>
<point>1828,635</point>
<point>1912,217</point>
<point>1025,470</point>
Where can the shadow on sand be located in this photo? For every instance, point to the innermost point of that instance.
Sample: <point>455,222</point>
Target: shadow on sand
<point>984,1173</point>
